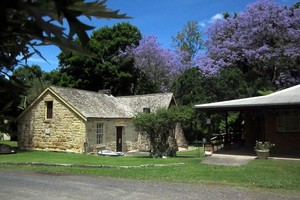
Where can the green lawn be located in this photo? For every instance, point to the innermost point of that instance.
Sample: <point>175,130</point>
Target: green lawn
<point>271,174</point>
<point>11,143</point>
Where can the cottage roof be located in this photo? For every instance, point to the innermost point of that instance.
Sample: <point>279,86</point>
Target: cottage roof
<point>93,104</point>
<point>98,105</point>
<point>153,101</point>
<point>286,97</point>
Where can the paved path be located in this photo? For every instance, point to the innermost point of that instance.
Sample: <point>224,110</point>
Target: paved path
<point>224,159</point>
<point>16,185</point>
<point>236,160</point>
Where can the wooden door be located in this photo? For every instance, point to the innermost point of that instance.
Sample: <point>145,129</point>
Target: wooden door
<point>119,139</point>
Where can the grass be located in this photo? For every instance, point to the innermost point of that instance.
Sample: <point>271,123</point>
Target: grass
<point>10,143</point>
<point>266,174</point>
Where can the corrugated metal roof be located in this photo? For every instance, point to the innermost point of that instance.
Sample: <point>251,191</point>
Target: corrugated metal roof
<point>286,97</point>
<point>98,105</point>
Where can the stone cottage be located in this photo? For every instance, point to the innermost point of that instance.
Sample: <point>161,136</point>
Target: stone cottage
<point>65,119</point>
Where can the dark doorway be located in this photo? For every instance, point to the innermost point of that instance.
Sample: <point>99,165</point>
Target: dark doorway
<point>119,138</point>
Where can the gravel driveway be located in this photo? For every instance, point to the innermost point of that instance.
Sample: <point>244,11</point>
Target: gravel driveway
<point>27,185</point>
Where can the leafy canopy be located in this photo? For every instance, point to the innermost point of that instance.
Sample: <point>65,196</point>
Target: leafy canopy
<point>156,65</point>
<point>102,70</point>
<point>263,42</point>
<point>189,40</point>
<point>159,126</point>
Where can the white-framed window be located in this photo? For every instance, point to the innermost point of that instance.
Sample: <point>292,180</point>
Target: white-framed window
<point>99,133</point>
<point>288,121</point>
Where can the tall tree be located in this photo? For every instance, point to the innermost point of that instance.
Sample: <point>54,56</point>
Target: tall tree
<point>33,79</point>
<point>189,40</point>
<point>230,83</point>
<point>156,65</point>
<point>263,42</point>
<point>189,90</point>
<point>187,87</point>
<point>102,70</point>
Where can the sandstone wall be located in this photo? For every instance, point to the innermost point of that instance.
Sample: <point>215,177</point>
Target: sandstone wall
<point>64,132</point>
<point>130,138</point>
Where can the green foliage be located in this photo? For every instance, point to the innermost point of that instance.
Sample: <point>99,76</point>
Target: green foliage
<point>259,145</point>
<point>155,126</point>
<point>10,91</point>
<point>27,23</point>
<point>264,92</point>
<point>232,118</point>
<point>34,79</point>
<point>187,87</point>
<point>158,126</point>
<point>20,90</point>
<point>228,84</point>
<point>102,70</point>
<point>189,39</point>
<point>231,84</point>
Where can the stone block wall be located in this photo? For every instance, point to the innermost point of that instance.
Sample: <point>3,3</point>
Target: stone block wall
<point>109,134</point>
<point>131,140</point>
<point>64,132</point>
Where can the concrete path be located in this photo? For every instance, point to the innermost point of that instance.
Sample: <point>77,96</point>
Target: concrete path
<point>229,160</point>
<point>236,160</point>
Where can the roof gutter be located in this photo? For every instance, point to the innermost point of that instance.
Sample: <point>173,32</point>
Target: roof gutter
<point>245,107</point>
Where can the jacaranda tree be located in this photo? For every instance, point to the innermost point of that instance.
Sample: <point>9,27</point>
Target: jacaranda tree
<point>157,65</point>
<point>263,42</point>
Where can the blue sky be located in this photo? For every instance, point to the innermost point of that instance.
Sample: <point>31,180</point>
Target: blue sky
<point>162,18</point>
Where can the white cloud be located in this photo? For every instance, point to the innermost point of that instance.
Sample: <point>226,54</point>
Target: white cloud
<point>216,17</point>
<point>202,24</point>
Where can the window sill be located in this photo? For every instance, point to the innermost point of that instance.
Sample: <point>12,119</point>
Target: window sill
<point>48,121</point>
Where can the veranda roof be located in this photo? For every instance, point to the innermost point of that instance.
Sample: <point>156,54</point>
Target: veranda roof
<point>283,98</point>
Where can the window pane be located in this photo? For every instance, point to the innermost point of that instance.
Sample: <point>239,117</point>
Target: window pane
<point>288,121</point>
<point>99,133</point>
<point>293,121</point>
<point>49,110</point>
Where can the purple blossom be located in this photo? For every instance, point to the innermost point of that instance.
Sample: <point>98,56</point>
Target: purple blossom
<point>207,65</point>
<point>266,38</point>
<point>157,62</point>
